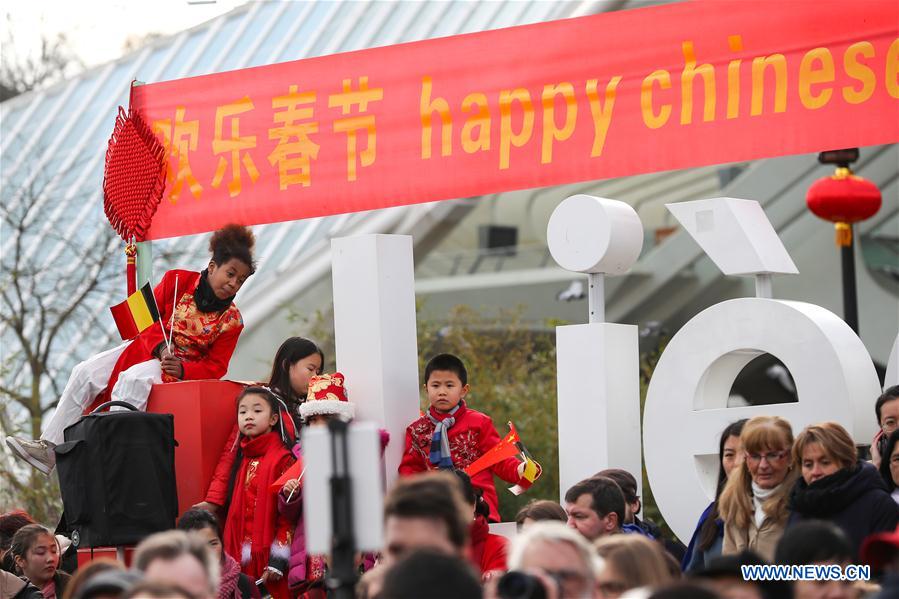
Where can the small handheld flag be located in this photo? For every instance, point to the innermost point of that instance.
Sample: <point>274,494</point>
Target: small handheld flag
<point>296,470</point>
<point>136,313</point>
<point>532,471</point>
<point>501,451</point>
<point>168,342</point>
<point>508,447</point>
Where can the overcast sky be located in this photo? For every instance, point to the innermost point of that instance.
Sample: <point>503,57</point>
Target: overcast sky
<point>98,29</point>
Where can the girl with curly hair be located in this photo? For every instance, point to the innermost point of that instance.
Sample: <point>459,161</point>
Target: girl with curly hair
<point>205,325</point>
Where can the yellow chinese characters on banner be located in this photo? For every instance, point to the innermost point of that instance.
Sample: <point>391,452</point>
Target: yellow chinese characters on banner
<point>234,146</point>
<point>350,125</point>
<point>179,142</point>
<point>295,149</point>
<point>293,132</point>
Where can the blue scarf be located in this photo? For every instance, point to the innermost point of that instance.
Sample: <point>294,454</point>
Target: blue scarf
<point>440,452</point>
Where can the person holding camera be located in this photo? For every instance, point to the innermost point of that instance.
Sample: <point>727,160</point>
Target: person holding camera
<point>549,560</point>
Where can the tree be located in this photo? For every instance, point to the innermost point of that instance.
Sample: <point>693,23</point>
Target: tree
<point>44,307</point>
<point>21,71</point>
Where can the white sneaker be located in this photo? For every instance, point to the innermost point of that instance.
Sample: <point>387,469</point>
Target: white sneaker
<point>37,453</point>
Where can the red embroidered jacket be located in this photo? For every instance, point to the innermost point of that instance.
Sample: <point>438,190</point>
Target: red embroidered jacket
<point>472,436</point>
<point>203,340</point>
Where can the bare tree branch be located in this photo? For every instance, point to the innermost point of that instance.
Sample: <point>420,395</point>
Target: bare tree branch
<point>20,73</point>
<point>15,395</point>
<point>43,301</point>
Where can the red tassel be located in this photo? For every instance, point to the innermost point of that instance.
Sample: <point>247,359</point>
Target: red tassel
<point>131,267</point>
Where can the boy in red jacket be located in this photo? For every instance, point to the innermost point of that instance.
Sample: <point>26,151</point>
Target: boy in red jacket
<point>452,435</point>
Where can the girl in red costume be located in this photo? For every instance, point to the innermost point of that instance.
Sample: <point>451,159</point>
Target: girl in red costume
<point>205,331</point>
<point>255,534</point>
<point>296,361</point>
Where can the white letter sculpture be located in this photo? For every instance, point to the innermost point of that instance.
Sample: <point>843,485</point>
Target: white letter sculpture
<point>374,333</point>
<point>597,363</point>
<point>686,404</point>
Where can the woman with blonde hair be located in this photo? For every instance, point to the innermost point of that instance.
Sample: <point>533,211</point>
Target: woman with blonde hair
<point>838,487</point>
<point>754,503</point>
<point>631,561</point>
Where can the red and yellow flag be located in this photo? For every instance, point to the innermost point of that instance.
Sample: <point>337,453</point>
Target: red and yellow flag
<point>136,313</point>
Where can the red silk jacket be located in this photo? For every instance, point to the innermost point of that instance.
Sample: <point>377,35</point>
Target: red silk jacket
<point>203,341</point>
<point>470,438</point>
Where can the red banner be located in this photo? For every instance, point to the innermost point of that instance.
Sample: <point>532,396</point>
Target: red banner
<point>609,95</point>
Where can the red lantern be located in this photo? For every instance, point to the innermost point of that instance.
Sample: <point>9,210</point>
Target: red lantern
<point>843,198</point>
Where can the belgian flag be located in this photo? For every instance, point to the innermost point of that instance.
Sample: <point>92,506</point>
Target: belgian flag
<point>136,313</point>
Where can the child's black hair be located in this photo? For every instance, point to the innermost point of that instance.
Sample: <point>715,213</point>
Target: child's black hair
<point>447,362</point>
<point>197,519</point>
<point>266,393</point>
<point>472,494</point>
<point>291,351</point>
<point>233,241</point>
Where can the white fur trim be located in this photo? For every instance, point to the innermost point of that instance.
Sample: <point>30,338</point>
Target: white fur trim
<point>327,407</point>
<point>280,551</point>
<point>245,553</point>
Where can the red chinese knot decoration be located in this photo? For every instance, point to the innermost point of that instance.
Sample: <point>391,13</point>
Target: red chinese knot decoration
<point>843,198</point>
<point>133,182</point>
<point>134,178</point>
